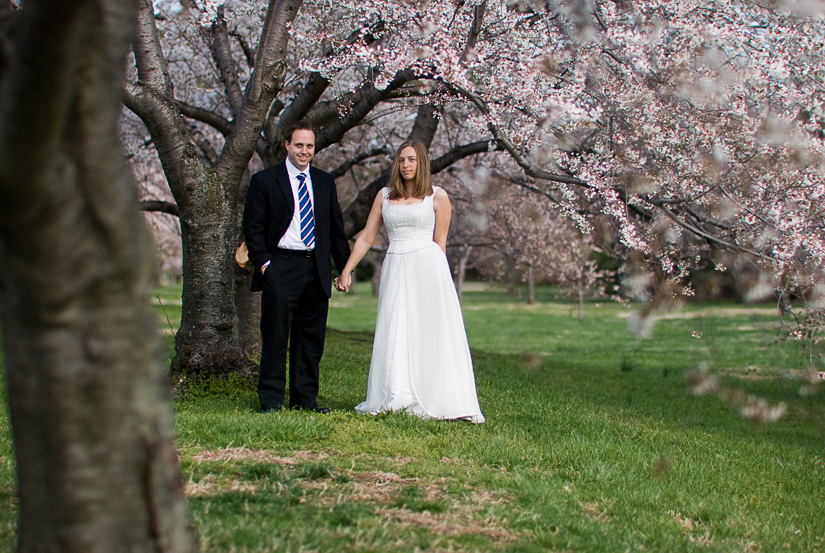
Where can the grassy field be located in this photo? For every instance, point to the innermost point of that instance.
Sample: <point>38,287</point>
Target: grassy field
<point>593,443</point>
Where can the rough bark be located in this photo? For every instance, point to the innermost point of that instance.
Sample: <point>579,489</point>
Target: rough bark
<point>247,303</point>
<point>227,69</point>
<point>96,468</point>
<point>208,340</point>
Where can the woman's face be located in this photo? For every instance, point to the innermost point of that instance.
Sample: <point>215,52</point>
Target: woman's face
<point>408,161</point>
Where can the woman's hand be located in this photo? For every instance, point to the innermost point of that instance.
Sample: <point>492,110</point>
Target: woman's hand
<point>343,281</point>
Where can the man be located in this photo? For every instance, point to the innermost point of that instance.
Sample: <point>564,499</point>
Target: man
<point>292,224</point>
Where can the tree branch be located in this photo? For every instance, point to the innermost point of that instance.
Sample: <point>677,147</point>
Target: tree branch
<point>248,51</point>
<point>460,152</point>
<point>203,144</point>
<point>305,105</point>
<point>709,237</point>
<point>159,206</point>
<point>152,100</point>
<point>356,213</point>
<point>323,114</point>
<point>222,125</point>
<point>341,170</point>
<point>264,85</point>
<point>527,166</point>
<point>151,63</point>
<point>162,119</point>
<point>372,97</point>
<point>227,69</point>
<point>475,31</point>
<point>425,125</point>
<point>292,113</point>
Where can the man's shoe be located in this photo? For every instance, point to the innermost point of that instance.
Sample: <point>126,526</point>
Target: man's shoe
<point>315,408</point>
<point>274,409</point>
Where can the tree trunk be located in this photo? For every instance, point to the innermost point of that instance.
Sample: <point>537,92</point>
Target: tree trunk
<point>461,270</point>
<point>511,275</point>
<point>247,302</point>
<point>377,261</point>
<point>531,286</point>
<point>96,468</point>
<point>208,341</point>
<point>248,308</point>
<point>581,295</point>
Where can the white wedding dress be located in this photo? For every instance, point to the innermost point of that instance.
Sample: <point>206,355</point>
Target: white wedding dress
<point>420,358</point>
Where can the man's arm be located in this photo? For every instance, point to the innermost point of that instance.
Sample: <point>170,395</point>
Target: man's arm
<point>255,222</point>
<point>339,245</point>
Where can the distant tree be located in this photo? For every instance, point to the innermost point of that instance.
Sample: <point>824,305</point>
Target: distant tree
<point>96,467</point>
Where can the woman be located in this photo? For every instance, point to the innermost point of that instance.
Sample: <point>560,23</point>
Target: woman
<point>420,358</point>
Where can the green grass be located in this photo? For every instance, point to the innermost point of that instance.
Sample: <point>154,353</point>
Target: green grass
<point>593,443</point>
<point>167,304</point>
<point>8,495</point>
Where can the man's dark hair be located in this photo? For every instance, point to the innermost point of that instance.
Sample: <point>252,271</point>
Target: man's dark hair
<point>299,126</point>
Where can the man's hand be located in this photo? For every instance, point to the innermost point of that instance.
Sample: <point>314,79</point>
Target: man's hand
<point>343,282</point>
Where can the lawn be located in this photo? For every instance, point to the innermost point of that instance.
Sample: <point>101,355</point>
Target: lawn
<point>593,442</point>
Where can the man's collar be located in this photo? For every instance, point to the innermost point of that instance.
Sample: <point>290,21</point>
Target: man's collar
<point>293,171</point>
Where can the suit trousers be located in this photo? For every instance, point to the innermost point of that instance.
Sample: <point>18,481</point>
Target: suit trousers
<point>294,307</point>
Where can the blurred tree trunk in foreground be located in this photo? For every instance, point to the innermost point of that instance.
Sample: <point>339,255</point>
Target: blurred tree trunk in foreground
<point>96,468</point>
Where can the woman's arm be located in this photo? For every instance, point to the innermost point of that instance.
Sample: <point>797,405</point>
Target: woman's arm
<point>443,212</point>
<point>362,245</point>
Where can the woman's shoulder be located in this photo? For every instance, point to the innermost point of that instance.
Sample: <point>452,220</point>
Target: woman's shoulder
<point>439,198</point>
<point>382,195</point>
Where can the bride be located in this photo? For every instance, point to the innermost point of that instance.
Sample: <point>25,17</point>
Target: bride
<point>420,357</point>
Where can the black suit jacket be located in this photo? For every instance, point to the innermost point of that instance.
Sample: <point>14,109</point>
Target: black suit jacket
<point>268,211</point>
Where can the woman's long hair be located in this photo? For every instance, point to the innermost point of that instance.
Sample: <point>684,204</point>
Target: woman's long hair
<point>423,186</point>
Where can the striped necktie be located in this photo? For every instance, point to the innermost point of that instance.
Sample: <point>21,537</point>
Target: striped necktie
<point>305,208</point>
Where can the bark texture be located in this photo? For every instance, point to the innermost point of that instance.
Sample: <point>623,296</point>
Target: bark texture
<point>97,471</point>
<point>247,303</point>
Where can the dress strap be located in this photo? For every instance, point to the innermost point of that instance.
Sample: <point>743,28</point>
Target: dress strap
<point>385,193</point>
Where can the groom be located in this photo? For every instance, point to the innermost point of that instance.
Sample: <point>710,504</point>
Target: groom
<point>292,224</point>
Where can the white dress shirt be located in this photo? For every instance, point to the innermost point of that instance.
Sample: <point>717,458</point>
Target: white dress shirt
<point>291,240</point>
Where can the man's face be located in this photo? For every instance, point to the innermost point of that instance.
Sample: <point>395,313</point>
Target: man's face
<point>301,149</point>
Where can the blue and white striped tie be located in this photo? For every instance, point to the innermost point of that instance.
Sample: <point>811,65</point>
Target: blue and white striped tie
<point>305,208</point>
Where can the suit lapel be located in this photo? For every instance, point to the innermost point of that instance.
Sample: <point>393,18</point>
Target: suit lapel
<point>286,188</point>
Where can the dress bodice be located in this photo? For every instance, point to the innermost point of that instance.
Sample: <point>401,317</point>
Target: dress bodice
<point>411,226</point>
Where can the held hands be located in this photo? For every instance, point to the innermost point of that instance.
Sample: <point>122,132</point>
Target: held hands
<point>343,282</point>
